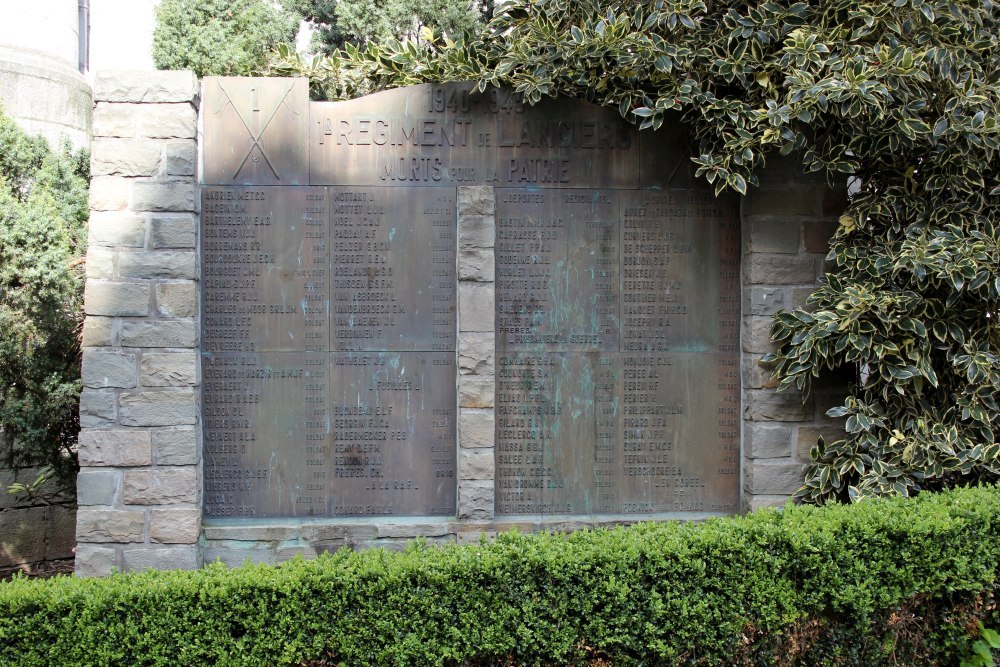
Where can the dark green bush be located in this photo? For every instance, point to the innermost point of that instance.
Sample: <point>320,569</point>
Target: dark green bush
<point>886,582</point>
<point>219,37</point>
<point>43,238</point>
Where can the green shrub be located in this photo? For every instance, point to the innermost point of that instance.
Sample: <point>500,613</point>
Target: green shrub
<point>361,21</point>
<point>887,582</point>
<point>219,37</point>
<point>43,218</point>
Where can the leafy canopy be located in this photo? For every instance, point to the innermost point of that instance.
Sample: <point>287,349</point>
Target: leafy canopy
<point>900,96</point>
<point>219,37</point>
<point>338,22</point>
<point>43,227</point>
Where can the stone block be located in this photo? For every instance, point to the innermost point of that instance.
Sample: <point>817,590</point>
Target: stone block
<point>116,228</point>
<point>162,486</point>
<point>775,477</point>
<point>109,193</point>
<point>181,158</point>
<point>119,447</point>
<point>175,446</point>
<point>145,86</point>
<point>475,353</point>
<point>174,526</point>
<point>113,120</point>
<point>167,121</point>
<point>60,539</point>
<point>476,463</point>
<point>764,440</point>
<point>163,558</point>
<point>23,535</point>
<point>756,336</point>
<point>409,529</point>
<point>173,231</point>
<point>169,407</point>
<point>177,299</point>
<point>95,561</point>
<point>7,477</point>
<point>765,405</point>
<point>276,532</point>
<point>475,200</point>
<point>786,201</point>
<point>770,235</point>
<point>817,234</point>
<point>475,307</point>
<point>179,196</point>
<point>97,408</point>
<point>799,298</point>
<point>764,300</point>
<point>100,264</point>
<point>476,391</point>
<point>807,436</point>
<point>475,428</point>
<point>159,333</point>
<point>105,525</point>
<point>765,269</point>
<point>96,487</point>
<point>169,369</point>
<point>124,157</point>
<point>116,299</point>
<point>757,375</point>
<point>476,231</point>
<point>345,533</point>
<point>98,332</point>
<point>475,499</point>
<point>476,264</point>
<point>108,369</point>
<point>158,264</point>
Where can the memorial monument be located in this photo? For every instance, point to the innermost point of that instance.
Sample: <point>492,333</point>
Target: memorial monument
<point>329,320</point>
<point>431,312</point>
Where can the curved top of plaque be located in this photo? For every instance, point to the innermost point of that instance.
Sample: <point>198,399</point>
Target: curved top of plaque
<point>264,131</point>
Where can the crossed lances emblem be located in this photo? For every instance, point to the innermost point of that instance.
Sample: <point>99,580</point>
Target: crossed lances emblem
<point>255,148</point>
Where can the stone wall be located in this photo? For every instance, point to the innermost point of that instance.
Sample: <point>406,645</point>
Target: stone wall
<point>32,534</point>
<point>787,223</point>
<point>139,485</point>
<point>140,480</point>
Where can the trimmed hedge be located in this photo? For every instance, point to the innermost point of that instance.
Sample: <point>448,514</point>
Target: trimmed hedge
<point>900,581</point>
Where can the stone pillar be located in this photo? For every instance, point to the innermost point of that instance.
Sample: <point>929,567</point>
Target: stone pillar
<point>787,223</point>
<point>476,345</point>
<point>139,485</point>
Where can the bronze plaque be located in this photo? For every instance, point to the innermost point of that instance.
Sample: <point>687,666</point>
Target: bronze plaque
<point>617,359</point>
<point>452,134</point>
<point>328,369</point>
<point>328,254</point>
<point>255,131</point>
<point>393,268</point>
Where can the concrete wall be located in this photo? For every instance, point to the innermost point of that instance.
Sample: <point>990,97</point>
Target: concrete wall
<point>40,84</point>
<point>140,480</point>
